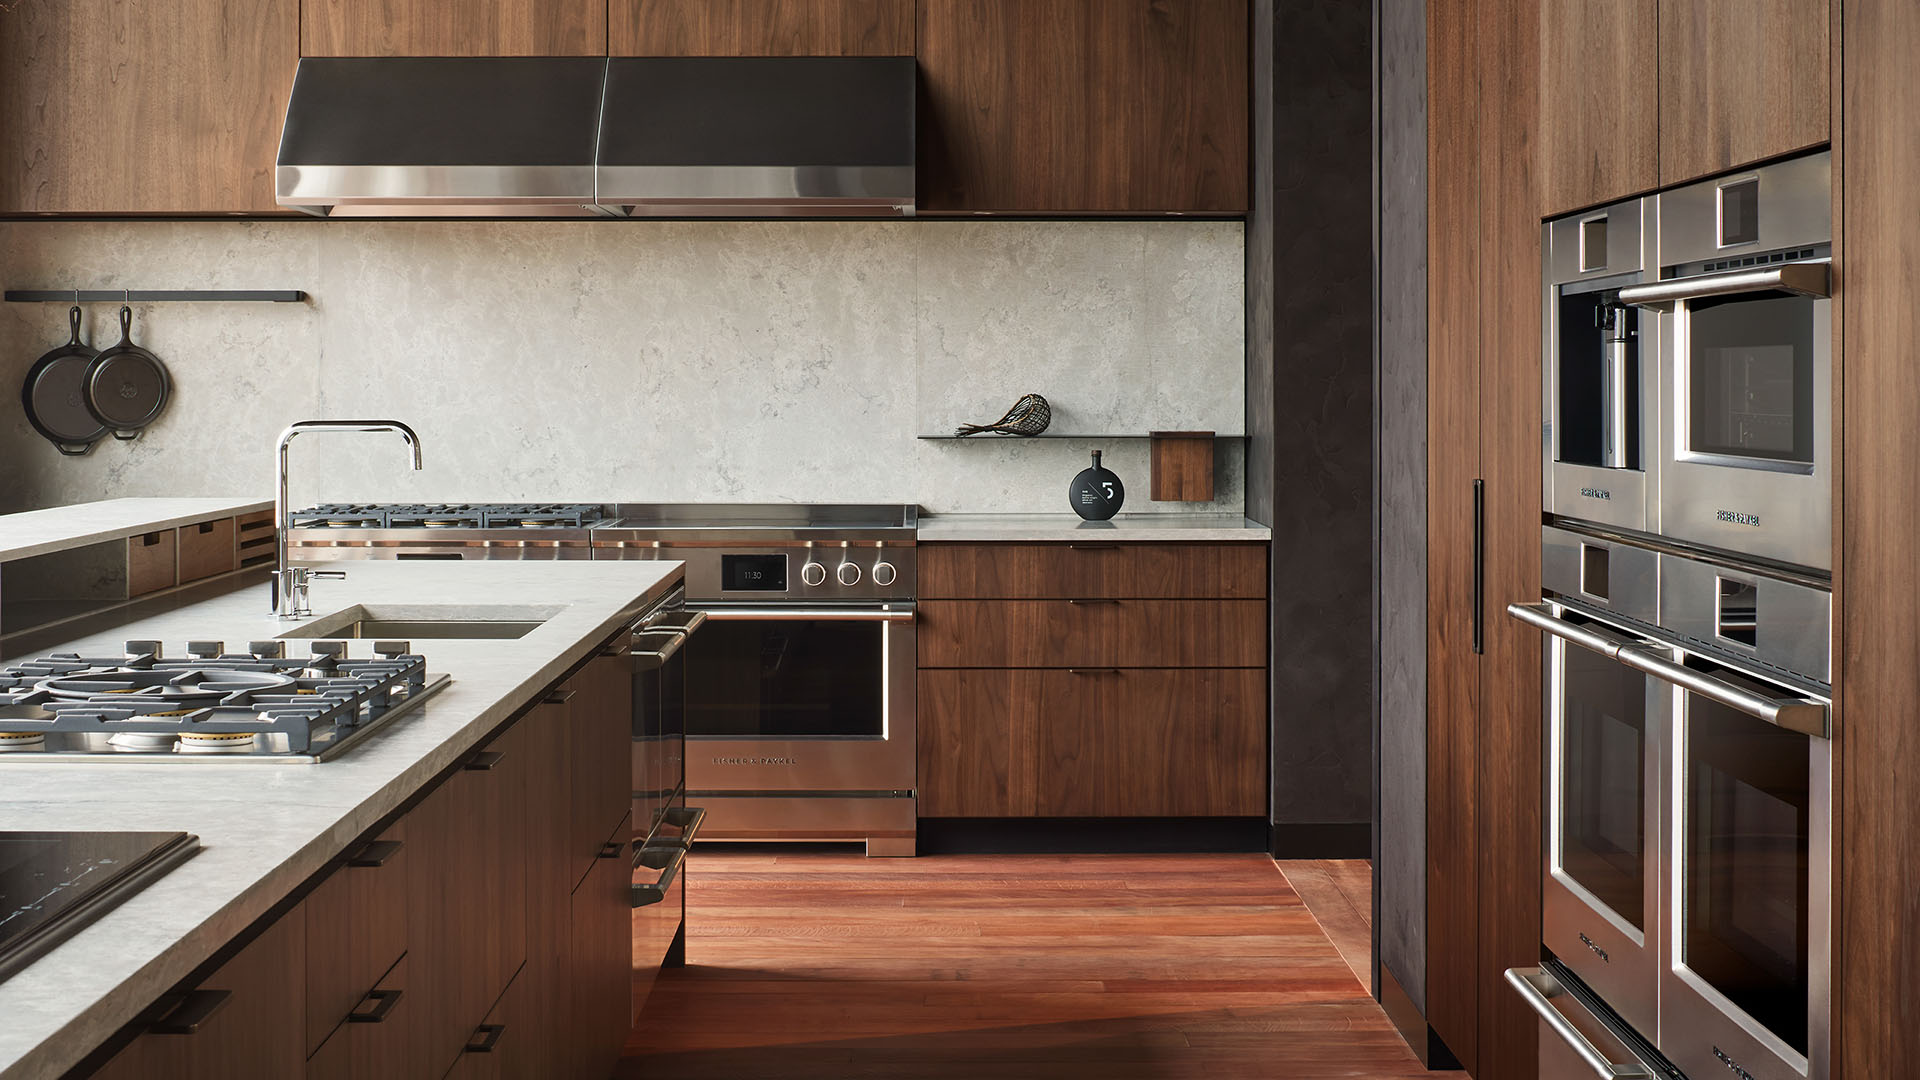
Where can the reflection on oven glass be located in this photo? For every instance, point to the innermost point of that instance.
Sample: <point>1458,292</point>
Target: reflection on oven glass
<point>1745,908</point>
<point>1604,807</point>
<point>1751,379</point>
<point>787,679</point>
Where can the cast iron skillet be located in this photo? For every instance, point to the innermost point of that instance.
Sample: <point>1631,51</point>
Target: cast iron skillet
<point>55,395</point>
<point>127,386</point>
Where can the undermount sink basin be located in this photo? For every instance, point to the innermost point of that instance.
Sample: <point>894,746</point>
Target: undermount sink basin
<point>400,621</point>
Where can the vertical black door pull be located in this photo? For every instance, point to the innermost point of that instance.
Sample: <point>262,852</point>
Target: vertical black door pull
<point>1479,565</point>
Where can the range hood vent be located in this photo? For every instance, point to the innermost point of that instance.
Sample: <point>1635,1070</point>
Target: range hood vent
<point>589,136</point>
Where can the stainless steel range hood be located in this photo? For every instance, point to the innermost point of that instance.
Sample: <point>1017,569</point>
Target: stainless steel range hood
<point>589,136</point>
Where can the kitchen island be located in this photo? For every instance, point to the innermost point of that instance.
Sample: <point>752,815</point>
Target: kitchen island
<point>267,830</point>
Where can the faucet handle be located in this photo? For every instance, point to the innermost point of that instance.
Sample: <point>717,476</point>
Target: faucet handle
<point>331,575</point>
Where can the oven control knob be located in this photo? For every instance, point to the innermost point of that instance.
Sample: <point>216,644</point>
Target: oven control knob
<point>884,573</point>
<point>849,574</point>
<point>813,573</point>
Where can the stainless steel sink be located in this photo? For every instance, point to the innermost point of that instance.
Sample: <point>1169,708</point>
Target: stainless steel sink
<point>468,622</point>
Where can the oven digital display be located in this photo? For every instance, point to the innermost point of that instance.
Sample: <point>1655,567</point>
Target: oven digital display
<point>753,573</point>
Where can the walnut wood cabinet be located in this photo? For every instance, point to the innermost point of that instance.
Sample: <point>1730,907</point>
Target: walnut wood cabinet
<point>1483,747</point>
<point>760,27</point>
<point>134,107</point>
<point>1740,81</point>
<point>466,28</point>
<point>1599,101</point>
<point>1083,106</point>
<point>1092,680</point>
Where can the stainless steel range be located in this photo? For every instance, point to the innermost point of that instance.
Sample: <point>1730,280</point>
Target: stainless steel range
<point>209,704</point>
<point>527,532</point>
<point>801,711</point>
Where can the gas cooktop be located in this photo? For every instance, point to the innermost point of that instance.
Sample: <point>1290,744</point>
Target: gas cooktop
<point>53,883</point>
<point>448,516</point>
<point>209,705</point>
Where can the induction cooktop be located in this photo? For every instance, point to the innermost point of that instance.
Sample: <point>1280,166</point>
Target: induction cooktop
<point>54,883</point>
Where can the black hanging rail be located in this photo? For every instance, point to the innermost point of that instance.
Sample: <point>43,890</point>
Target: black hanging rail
<point>153,296</point>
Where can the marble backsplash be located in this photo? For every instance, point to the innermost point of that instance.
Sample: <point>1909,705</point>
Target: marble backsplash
<point>646,361</point>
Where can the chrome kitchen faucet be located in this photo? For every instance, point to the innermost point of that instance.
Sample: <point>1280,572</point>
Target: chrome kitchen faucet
<point>290,582</point>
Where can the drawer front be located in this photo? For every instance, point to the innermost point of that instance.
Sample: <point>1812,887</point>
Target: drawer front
<point>151,563</point>
<point>207,549</point>
<point>1093,632</point>
<point>369,1049</point>
<point>975,729</point>
<point>254,535</point>
<point>1152,743</point>
<point>356,930</point>
<point>1092,569</point>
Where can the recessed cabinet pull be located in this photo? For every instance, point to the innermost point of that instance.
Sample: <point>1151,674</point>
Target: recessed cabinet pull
<point>484,761</point>
<point>559,697</point>
<point>374,853</point>
<point>383,1003</point>
<point>485,1037</point>
<point>194,1009</point>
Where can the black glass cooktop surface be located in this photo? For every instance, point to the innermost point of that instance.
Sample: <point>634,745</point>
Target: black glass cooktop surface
<point>53,883</point>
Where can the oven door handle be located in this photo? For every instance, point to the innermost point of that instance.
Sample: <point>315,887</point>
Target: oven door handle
<point>1801,279</point>
<point>1803,715</point>
<point>1537,987</point>
<point>1592,638</point>
<point>890,613</point>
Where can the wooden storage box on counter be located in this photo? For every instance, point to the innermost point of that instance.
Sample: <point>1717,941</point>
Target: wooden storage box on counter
<point>1093,679</point>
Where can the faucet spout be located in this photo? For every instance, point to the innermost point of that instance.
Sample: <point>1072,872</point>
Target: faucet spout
<point>289,583</point>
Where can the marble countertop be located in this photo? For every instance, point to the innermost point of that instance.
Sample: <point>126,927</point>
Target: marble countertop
<point>36,532</point>
<point>266,828</point>
<point>1169,528</point>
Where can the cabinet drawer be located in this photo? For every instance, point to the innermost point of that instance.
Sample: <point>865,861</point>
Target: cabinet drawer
<point>368,1049</point>
<point>1068,571</point>
<point>206,549</point>
<point>504,1046</point>
<point>600,988</point>
<point>1093,633</point>
<point>255,533</point>
<point>600,742</point>
<point>356,930</point>
<point>151,563</point>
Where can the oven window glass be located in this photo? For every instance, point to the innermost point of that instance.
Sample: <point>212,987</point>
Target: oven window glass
<point>1744,908</point>
<point>786,679</point>
<point>1602,782</point>
<point>1750,378</point>
<point>1583,380</point>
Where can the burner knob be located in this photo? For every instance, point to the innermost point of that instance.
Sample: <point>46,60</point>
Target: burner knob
<point>813,573</point>
<point>884,573</point>
<point>849,574</point>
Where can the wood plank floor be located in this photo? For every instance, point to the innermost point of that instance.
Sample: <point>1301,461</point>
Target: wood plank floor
<point>1339,893</point>
<point>1123,967</point>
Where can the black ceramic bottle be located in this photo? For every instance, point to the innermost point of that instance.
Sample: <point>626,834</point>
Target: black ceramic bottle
<point>1096,494</point>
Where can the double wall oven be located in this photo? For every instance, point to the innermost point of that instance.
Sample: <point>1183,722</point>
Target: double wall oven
<point>1687,900</point>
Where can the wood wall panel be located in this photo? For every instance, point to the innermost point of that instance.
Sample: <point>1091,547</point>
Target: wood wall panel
<point>1453,449</point>
<point>142,107</point>
<point>760,27</point>
<point>1876,743</point>
<point>449,28</point>
<point>1599,122</point>
<point>1740,81</point>
<point>1096,106</point>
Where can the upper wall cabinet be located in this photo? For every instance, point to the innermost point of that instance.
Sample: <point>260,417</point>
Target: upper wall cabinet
<point>446,28</point>
<point>1083,106</point>
<point>130,107</point>
<point>1599,129</point>
<point>1740,81</point>
<point>760,27</point>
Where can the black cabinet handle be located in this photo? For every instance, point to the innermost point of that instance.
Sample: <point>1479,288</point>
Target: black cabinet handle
<point>1093,547</point>
<point>194,1009</point>
<point>383,1003</point>
<point>1093,671</point>
<point>610,850</point>
<point>558,697</point>
<point>1094,600</point>
<point>484,1038</point>
<point>374,853</point>
<point>484,761</point>
<point>1479,565</point>
<point>664,858</point>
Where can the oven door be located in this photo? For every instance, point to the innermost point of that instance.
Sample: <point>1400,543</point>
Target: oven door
<point>1744,983</point>
<point>1746,435</point>
<point>803,699</point>
<point>1605,727</point>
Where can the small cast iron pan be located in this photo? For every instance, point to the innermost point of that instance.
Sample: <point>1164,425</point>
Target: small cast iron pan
<point>127,386</point>
<point>55,395</point>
